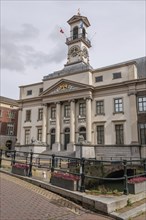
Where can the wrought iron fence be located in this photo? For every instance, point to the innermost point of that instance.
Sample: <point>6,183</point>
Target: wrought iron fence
<point>64,164</point>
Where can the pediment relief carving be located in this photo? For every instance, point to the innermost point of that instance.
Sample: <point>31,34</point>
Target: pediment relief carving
<point>65,86</point>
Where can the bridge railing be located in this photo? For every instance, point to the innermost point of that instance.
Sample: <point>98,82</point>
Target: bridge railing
<point>76,166</point>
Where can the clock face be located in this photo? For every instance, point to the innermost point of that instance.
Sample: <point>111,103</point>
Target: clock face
<point>74,51</point>
<point>85,53</point>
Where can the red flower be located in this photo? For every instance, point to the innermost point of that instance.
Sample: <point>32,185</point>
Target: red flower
<point>66,176</point>
<point>21,166</point>
<point>137,180</point>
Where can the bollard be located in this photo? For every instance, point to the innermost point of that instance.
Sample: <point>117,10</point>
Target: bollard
<point>53,163</point>
<point>126,191</point>
<point>13,158</point>
<point>30,164</point>
<point>82,187</point>
<point>1,153</point>
<point>144,166</point>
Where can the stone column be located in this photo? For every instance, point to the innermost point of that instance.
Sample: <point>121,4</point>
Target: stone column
<point>19,131</point>
<point>88,119</point>
<point>57,136</point>
<point>44,127</point>
<point>133,117</point>
<point>72,121</point>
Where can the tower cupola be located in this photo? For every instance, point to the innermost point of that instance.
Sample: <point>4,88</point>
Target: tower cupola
<point>78,42</point>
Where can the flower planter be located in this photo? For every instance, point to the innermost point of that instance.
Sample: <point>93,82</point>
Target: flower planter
<point>135,188</point>
<point>64,183</point>
<point>20,171</point>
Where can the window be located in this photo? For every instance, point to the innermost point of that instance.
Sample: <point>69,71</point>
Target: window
<point>142,133</point>
<point>82,109</point>
<point>82,132</point>
<point>100,107</point>
<point>40,114</point>
<point>100,134</point>
<point>40,90</point>
<point>67,111</point>
<point>119,134</point>
<point>39,134</point>
<point>28,115</point>
<point>0,113</point>
<point>118,105</point>
<point>98,78</point>
<point>75,33</point>
<point>29,92</point>
<point>83,32</point>
<point>116,75</point>
<point>142,104</point>
<point>27,136</point>
<point>53,112</point>
<point>10,129</point>
<point>11,114</point>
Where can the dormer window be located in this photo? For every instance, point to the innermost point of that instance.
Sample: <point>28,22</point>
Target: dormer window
<point>29,92</point>
<point>40,90</point>
<point>75,33</point>
<point>117,75</point>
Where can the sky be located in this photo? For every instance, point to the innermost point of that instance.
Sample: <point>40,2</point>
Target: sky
<point>33,47</point>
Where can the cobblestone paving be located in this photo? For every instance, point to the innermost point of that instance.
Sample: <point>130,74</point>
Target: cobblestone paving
<point>20,200</point>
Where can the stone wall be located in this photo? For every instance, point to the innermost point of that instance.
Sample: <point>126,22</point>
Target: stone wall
<point>117,152</point>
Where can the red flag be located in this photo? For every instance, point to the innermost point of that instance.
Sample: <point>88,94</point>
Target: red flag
<point>61,31</point>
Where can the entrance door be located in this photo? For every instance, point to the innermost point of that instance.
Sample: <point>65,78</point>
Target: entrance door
<point>66,137</point>
<point>52,138</point>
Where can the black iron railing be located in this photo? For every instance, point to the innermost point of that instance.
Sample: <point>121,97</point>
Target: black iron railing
<point>63,164</point>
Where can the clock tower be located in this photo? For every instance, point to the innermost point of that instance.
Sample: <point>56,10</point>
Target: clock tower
<point>78,43</point>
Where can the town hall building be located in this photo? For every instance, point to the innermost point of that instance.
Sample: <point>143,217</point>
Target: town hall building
<point>105,106</point>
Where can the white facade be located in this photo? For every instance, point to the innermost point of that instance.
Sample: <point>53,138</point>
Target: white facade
<point>99,104</point>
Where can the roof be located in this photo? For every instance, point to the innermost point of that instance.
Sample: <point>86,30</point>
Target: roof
<point>8,101</point>
<point>77,18</point>
<point>139,62</point>
<point>141,67</point>
<point>69,69</point>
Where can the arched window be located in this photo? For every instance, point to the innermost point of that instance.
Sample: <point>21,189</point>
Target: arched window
<point>66,137</point>
<point>75,33</point>
<point>52,139</point>
<point>83,33</point>
<point>82,131</point>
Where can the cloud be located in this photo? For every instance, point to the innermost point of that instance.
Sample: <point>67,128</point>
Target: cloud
<point>17,52</point>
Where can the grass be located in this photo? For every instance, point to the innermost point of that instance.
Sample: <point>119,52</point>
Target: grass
<point>104,191</point>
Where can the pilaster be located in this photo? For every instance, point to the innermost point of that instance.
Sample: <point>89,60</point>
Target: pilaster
<point>72,121</point>
<point>133,117</point>
<point>44,127</point>
<point>88,119</point>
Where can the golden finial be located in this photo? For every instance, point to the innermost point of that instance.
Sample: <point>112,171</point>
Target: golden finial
<point>78,12</point>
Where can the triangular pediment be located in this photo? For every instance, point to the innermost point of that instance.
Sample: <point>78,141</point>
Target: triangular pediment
<point>65,86</point>
<point>77,18</point>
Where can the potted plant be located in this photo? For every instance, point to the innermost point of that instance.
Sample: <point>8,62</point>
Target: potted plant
<point>137,185</point>
<point>65,180</point>
<point>20,169</point>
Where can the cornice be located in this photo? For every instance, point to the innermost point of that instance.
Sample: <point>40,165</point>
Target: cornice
<point>114,66</point>
<point>121,84</point>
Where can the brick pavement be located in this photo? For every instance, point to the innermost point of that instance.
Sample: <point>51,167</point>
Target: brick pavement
<point>20,200</point>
